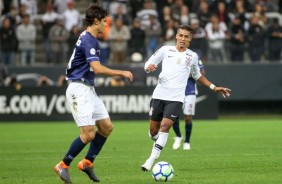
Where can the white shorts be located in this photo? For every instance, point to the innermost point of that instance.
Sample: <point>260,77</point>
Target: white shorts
<point>189,105</point>
<point>85,105</point>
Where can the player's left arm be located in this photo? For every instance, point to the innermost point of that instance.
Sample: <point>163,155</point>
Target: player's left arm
<point>225,92</point>
<point>197,75</point>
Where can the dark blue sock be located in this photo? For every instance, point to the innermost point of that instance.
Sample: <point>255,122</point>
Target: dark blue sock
<point>188,130</point>
<point>75,148</point>
<point>95,147</point>
<point>176,128</point>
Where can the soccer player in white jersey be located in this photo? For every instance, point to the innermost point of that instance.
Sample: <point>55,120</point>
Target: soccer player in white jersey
<point>178,62</point>
<point>87,109</point>
<point>188,108</point>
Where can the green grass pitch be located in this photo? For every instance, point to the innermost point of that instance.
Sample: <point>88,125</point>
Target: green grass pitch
<point>224,151</point>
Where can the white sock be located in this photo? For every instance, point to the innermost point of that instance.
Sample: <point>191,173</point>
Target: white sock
<point>159,145</point>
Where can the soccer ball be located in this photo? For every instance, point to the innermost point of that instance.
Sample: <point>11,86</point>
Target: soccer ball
<point>162,171</point>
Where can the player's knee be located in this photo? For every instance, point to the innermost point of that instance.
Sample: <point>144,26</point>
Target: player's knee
<point>153,132</point>
<point>87,137</point>
<point>188,119</point>
<point>106,131</point>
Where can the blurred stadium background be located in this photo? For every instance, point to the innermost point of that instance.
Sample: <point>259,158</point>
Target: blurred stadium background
<point>238,41</point>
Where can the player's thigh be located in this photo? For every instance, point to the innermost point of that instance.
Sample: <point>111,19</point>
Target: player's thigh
<point>189,105</point>
<point>156,110</point>
<point>80,99</point>
<point>172,110</point>
<point>104,126</point>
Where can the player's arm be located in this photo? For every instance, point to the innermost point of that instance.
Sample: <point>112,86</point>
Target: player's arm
<point>152,63</point>
<point>100,69</point>
<point>225,92</point>
<point>197,75</point>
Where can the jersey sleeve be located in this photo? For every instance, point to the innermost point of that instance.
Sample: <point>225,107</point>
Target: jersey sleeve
<point>195,69</point>
<point>156,58</point>
<point>201,66</point>
<point>90,51</point>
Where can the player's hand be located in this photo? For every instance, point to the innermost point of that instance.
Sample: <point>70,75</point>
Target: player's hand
<point>128,75</point>
<point>151,68</point>
<point>225,92</point>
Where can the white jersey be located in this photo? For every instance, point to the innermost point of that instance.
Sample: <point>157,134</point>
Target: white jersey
<point>176,68</point>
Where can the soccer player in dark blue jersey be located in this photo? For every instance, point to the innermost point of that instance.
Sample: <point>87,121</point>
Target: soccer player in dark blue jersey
<point>88,111</point>
<point>188,111</point>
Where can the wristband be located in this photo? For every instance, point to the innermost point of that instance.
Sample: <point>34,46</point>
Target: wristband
<point>212,86</point>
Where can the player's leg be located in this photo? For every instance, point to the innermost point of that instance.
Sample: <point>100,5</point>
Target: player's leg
<point>82,113</point>
<point>189,111</point>
<point>156,114</point>
<point>178,138</point>
<point>171,111</point>
<point>188,131</point>
<point>105,127</point>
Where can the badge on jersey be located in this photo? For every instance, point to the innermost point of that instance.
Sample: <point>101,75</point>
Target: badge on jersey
<point>92,51</point>
<point>188,60</point>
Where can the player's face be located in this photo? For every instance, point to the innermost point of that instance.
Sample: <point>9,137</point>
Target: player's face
<point>183,38</point>
<point>102,25</point>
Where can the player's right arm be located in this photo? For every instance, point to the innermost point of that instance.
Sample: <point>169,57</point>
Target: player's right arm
<point>152,63</point>
<point>100,69</point>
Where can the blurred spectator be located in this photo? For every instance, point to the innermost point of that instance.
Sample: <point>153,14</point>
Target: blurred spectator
<point>216,37</point>
<point>166,16</point>
<point>12,81</point>
<point>237,40</point>
<point>274,33</point>
<point>6,5</point>
<point>222,13</point>
<point>256,39</point>
<point>184,15</point>
<point>23,11</point>
<point>260,13</point>
<point>203,13</point>
<point>246,5</point>
<point>48,20</point>
<point>170,32</point>
<point>163,8</point>
<point>59,36</point>
<point>31,6</point>
<point>137,42</point>
<point>240,12</point>
<point>9,42</point>
<point>71,16</point>
<point>60,6</point>
<point>176,8</point>
<point>72,39</point>
<point>26,34</point>
<point>121,15</point>
<point>118,37</point>
<point>144,14</point>
<point>13,16</point>
<point>4,73</point>
<point>153,33</point>
<point>114,7</point>
<point>199,42</point>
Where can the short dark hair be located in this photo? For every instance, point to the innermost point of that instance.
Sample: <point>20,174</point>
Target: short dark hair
<point>185,27</point>
<point>94,12</point>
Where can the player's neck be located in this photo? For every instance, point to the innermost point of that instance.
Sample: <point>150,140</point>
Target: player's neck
<point>181,49</point>
<point>92,31</point>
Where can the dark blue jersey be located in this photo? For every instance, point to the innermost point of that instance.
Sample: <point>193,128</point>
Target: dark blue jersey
<point>191,88</point>
<point>86,50</point>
